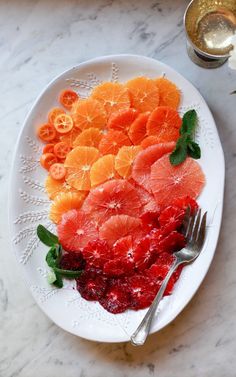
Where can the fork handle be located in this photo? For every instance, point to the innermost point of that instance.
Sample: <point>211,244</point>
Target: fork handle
<point>140,335</point>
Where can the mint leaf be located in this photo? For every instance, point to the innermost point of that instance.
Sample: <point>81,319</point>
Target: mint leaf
<point>194,150</point>
<point>53,256</point>
<point>51,277</point>
<point>189,123</point>
<point>46,237</point>
<point>179,154</point>
<point>59,282</point>
<point>68,273</point>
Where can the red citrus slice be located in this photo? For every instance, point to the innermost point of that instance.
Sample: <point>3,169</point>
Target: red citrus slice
<point>144,160</point>
<point>112,141</point>
<point>164,123</point>
<point>121,120</point>
<point>137,130</point>
<point>169,182</point>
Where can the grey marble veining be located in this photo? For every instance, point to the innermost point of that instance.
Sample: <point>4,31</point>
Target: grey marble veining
<point>38,40</point>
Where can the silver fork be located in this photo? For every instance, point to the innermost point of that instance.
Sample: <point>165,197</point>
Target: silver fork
<point>194,230</point>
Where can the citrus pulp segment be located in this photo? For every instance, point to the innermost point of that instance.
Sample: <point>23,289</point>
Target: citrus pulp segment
<point>124,159</point>
<point>137,131</point>
<point>103,170</point>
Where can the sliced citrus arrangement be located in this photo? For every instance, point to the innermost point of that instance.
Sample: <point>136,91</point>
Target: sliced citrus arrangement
<point>144,94</point>
<point>88,113</point>
<point>121,173</point>
<point>78,163</point>
<point>112,96</point>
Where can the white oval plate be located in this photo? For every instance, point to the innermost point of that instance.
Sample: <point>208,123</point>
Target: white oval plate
<point>29,204</point>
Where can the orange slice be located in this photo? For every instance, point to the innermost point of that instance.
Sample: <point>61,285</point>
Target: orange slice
<point>88,113</point>
<point>90,138</point>
<point>53,113</point>
<point>112,141</point>
<point>70,137</point>
<point>113,96</point>
<point>121,120</point>
<point>169,93</point>
<point>63,203</point>
<point>144,94</point>
<point>63,123</point>
<point>164,123</point>
<point>148,141</point>
<point>103,170</point>
<point>53,187</point>
<point>78,163</point>
<point>124,160</point>
<point>169,182</point>
<point>137,130</point>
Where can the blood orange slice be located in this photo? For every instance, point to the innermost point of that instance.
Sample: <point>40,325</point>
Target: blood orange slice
<point>142,164</point>
<point>164,123</point>
<point>75,230</point>
<point>115,197</point>
<point>119,226</point>
<point>169,182</point>
<point>144,94</point>
<point>112,141</point>
<point>78,163</point>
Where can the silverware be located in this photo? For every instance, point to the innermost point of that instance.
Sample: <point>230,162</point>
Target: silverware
<point>209,26</point>
<point>194,229</point>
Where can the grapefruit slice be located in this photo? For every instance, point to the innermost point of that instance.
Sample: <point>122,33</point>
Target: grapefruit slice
<point>137,130</point>
<point>169,182</point>
<point>112,141</point>
<point>112,96</point>
<point>147,198</point>
<point>88,113</point>
<point>148,141</point>
<point>142,164</point>
<point>115,197</point>
<point>124,160</point>
<point>121,120</point>
<point>75,230</point>
<point>119,226</point>
<point>144,93</point>
<point>90,137</point>
<point>103,170</point>
<point>63,203</point>
<point>164,123</point>
<point>78,163</point>
<point>169,93</point>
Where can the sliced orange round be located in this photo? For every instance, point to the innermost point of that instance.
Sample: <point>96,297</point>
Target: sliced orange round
<point>67,98</point>
<point>122,119</point>
<point>112,95</point>
<point>70,137</point>
<point>169,93</point>
<point>57,171</point>
<point>144,94</point>
<point>46,132</point>
<point>103,170</point>
<point>54,187</point>
<point>88,113</point>
<point>47,160</point>
<point>53,113</point>
<point>63,123</point>
<point>90,138</point>
<point>149,140</point>
<point>112,141</point>
<point>164,123</point>
<point>124,160</point>
<point>63,203</point>
<point>78,163</point>
<point>137,130</point>
<point>61,149</point>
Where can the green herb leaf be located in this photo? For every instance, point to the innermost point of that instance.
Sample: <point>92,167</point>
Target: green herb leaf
<point>59,282</point>
<point>179,154</point>
<point>53,256</point>
<point>189,123</point>
<point>51,277</point>
<point>46,237</point>
<point>67,273</point>
<point>194,150</point>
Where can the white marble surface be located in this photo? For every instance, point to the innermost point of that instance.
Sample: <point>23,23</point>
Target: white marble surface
<point>38,40</point>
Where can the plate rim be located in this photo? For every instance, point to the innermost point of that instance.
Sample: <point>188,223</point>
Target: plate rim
<point>101,59</point>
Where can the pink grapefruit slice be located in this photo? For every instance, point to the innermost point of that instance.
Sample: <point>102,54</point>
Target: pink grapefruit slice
<point>142,164</point>
<point>169,182</point>
<point>114,197</point>
<point>120,226</point>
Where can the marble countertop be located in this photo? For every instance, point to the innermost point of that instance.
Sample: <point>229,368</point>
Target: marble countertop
<point>38,40</point>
